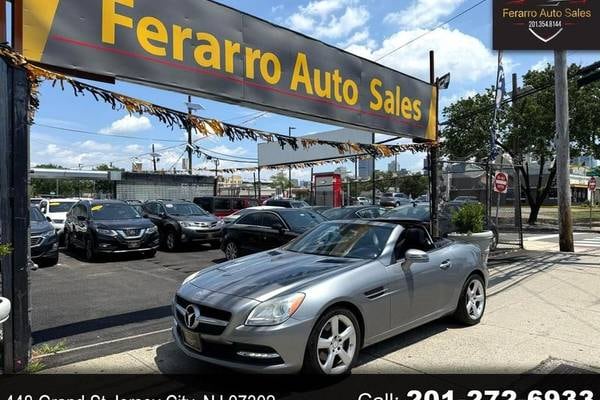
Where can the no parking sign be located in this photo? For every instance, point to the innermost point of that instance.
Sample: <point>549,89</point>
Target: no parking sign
<point>500,182</point>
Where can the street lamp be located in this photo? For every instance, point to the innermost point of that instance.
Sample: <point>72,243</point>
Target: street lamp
<point>190,107</point>
<point>290,129</point>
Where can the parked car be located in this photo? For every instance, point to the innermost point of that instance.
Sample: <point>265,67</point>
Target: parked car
<point>424,198</point>
<point>317,302</point>
<point>362,201</point>
<point>354,212</point>
<point>263,230</point>
<point>393,199</point>
<point>286,203</point>
<point>223,206</point>
<point>56,210</point>
<point>109,226</point>
<point>182,222</point>
<point>233,217</point>
<point>464,199</point>
<point>44,240</point>
<point>422,212</point>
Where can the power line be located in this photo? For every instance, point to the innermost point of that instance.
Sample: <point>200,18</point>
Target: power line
<point>227,155</point>
<point>432,29</point>
<point>107,134</point>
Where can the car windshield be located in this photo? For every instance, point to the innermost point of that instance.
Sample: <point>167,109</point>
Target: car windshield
<point>60,206</point>
<point>420,212</point>
<point>343,240</point>
<point>36,215</point>
<point>184,209</point>
<point>335,213</point>
<point>301,221</point>
<point>113,211</point>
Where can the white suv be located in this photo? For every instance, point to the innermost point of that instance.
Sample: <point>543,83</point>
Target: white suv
<point>57,210</point>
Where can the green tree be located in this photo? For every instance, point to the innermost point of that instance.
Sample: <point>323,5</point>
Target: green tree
<point>413,185</point>
<point>280,181</point>
<point>525,129</point>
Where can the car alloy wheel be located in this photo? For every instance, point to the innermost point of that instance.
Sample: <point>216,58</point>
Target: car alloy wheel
<point>89,250</point>
<point>231,251</point>
<point>475,302</point>
<point>336,345</point>
<point>170,240</point>
<point>471,304</point>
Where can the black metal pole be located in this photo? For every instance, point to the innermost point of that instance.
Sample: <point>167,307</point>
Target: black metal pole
<point>153,158</point>
<point>433,172</point>
<point>259,185</point>
<point>373,172</point>
<point>517,160</point>
<point>189,132</point>
<point>14,213</point>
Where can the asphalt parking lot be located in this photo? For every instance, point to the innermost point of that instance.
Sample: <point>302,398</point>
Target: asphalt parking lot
<point>112,305</point>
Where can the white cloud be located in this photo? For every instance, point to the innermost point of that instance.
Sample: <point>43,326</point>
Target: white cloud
<point>135,149</point>
<point>423,13</point>
<point>93,145</point>
<point>230,151</point>
<point>329,19</point>
<point>541,65</point>
<point>128,124</point>
<point>464,56</point>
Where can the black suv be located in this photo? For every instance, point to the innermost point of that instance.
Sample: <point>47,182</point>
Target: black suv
<point>44,240</point>
<point>109,226</point>
<point>182,221</point>
<point>262,230</point>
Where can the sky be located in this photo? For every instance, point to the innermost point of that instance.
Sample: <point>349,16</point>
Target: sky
<point>369,28</point>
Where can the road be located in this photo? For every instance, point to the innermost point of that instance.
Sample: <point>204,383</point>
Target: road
<point>105,307</point>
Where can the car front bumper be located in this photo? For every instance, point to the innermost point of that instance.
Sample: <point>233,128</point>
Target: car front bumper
<point>200,235</point>
<point>48,248</point>
<point>287,341</point>
<point>117,244</point>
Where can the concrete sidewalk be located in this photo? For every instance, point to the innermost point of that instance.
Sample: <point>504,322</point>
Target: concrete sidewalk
<point>542,307</point>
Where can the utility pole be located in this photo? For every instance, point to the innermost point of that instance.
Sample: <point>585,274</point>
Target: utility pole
<point>565,220</point>
<point>153,158</point>
<point>517,161</point>
<point>290,129</point>
<point>216,177</point>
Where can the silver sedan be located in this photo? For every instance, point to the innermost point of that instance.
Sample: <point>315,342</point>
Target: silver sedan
<point>313,304</point>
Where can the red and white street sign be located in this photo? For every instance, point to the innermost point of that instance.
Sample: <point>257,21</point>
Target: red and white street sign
<point>500,182</point>
<point>592,184</point>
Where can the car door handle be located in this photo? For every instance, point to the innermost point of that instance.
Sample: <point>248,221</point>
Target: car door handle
<point>446,264</point>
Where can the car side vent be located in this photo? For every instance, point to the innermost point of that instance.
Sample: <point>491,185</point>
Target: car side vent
<point>274,253</point>
<point>375,293</point>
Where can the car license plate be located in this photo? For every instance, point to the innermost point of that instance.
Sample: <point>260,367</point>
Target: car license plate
<point>192,339</point>
<point>134,245</point>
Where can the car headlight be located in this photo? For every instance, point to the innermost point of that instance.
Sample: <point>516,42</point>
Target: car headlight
<point>107,232</point>
<point>49,233</point>
<point>275,311</point>
<point>151,230</point>
<point>186,224</point>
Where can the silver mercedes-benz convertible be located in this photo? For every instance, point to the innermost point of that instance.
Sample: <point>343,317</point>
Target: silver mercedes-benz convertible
<point>313,304</point>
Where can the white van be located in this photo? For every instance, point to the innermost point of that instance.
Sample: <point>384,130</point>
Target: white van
<point>57,210</point>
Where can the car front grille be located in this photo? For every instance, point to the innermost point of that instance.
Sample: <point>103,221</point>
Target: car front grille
<point>229,352</point>
<point>36,240</point>
<point>221,317</point>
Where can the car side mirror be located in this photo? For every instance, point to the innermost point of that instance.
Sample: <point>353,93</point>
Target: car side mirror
<point>4,309</point>
<point>162,214</point>
<point>80,218</point>
<point>48,219</point>
<point>416,256</point>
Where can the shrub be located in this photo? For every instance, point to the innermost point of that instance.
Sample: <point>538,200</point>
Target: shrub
<point>469,218</point>
<point>5,249</point>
